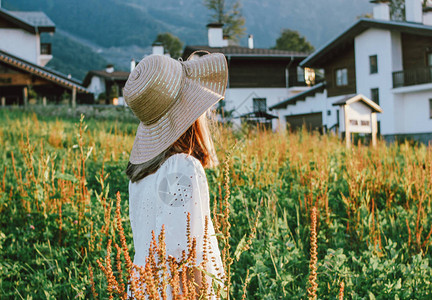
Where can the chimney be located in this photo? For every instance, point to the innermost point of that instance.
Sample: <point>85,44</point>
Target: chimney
<point>413,11</point>
<point>427,16</point>
<point>109,68</point>
<point>132,65</point>
<point>158,48</point>
<point>215,35</point>
<point>381,10</point>
<point>250,41</point>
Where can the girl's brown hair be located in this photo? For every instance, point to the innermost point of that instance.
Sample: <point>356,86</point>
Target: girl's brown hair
<point>196,141</point>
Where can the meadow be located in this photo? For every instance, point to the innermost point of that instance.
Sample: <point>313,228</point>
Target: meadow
<point>370,238</point>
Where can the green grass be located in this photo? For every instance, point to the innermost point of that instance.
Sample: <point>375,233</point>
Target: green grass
<point>374,209</point>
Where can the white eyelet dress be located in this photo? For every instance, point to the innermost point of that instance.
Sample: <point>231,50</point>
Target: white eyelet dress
<point>177,188</point>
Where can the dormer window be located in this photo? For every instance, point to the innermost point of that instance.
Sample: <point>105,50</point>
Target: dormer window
<point>373,64</point>
<point>342,77</point>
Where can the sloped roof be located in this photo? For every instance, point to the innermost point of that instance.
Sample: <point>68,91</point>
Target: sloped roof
<point>31,21</point>
<point>323,54</point>
<point>257,115</point>
<point>42,72</point>
<point>113,76</point>
<point>318,88</point>
<point>355,98</point>
<point>245,52</point>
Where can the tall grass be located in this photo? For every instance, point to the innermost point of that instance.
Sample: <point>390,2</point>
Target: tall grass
<point>58,185</point>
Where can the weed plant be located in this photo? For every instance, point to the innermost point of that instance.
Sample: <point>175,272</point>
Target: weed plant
<point>59,179</point>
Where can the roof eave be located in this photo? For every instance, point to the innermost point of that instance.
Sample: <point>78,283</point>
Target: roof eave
<point>42,72</point>
<point>314,60</point>
<point>20,23</point>
<point>292,100</point>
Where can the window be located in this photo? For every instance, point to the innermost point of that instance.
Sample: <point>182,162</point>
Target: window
<point>430,108</point>
<point>300,74</point>
<point>259,104</point>
<point>341,77</point>
<point>375,95</point>
<point>329,113</point>
<point>373,64</point>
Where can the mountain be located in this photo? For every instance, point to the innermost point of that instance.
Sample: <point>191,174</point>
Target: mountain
<point>116,30</point>
<point>71,57</point>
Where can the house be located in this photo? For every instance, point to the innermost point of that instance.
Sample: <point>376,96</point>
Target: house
<point>107,85</point>
<point>258,78</point>
<point>24,79</point>
<point>21,35</point>
<point>388,61</point>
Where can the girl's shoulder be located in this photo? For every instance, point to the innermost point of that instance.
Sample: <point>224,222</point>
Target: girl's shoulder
<point>182,163</point>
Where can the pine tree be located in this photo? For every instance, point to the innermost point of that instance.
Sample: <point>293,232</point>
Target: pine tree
<point>228,14</point>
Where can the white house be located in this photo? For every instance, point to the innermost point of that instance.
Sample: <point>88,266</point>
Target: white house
<point>388,61</point>
<point>24,79</point>
<point>20,35</point>
<point>106,85</point>
<point>258,78</point>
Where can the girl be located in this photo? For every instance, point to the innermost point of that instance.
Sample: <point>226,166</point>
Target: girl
<point>171,147</point>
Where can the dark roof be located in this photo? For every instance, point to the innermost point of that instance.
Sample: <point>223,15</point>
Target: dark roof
<point>318,88</point>
<point>326,52</point>
<point>113,76</point>
<point>257,115</point>
<point>31,21</point>
<point>343,100</point>
<point>42,72</point>
<point>245,52</point>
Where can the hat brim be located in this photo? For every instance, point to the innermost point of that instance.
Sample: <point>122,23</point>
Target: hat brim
<point>204,84</point>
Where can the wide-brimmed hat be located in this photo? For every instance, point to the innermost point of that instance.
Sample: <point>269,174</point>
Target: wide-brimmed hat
<point>168,96</point>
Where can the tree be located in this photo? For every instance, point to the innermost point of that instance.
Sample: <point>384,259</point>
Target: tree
<point>291,40</point>
<point>172,44</point>
<point>228,14</point>
<point>397,9</point>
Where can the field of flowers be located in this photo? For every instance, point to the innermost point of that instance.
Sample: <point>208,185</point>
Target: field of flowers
<point>370,237</point>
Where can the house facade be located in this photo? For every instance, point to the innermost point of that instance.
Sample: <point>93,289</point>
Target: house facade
<point>106,85</point>
<point>258,78</point>
<point>24,79</point>
<point>21,35</point>
<point>388,61</point>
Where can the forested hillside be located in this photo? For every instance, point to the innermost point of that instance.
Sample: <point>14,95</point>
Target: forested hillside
<point>73,58</point>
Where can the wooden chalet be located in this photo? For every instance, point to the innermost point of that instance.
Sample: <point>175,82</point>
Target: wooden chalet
<point>24,83</point>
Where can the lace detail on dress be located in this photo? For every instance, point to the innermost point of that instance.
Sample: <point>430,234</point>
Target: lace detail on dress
<point>176,189</point>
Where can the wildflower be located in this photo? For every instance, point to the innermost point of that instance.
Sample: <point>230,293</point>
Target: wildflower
<point>32,227</point>
<point>75,222</point>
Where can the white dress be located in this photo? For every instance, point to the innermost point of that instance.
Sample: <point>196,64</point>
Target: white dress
<point>177,188</point>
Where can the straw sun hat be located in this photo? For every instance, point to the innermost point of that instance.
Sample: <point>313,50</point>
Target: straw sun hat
<point>168,96</point>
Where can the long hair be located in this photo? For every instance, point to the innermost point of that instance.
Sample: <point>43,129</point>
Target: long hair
<point>196,141</point>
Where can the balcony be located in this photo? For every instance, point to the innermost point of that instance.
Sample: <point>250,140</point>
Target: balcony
<point>45,49</point>
<point>412,77</point>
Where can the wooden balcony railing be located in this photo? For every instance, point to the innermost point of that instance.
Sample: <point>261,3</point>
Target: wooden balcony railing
<point>412,77</point>
<point>45,49</point>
